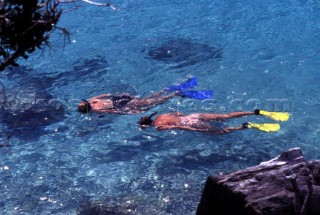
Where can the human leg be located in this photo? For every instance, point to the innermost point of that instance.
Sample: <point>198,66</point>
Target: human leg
<point>225,130</point>
<point>219,117</point>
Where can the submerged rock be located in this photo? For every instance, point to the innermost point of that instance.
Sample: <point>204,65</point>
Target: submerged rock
<point>31,107</point>
<point>87,69</point>
<point>30,104</point>
<point>27,101</point>
<point>183,52</point>
<point>26,111</point>
<point>88,66</point>
<point>285,185</point>
<point>104,207</point>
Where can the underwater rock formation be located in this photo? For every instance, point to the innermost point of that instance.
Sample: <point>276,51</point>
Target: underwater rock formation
<point>90,65</point>
<point>27,106</point>
<point>285,185</point>
<point>87,69</point>
<point>104,207</point>
<point>2,96</point>
<point>183,52</point>
<point>31,107</point>
<point>27,101</point>
<point>26,111</point>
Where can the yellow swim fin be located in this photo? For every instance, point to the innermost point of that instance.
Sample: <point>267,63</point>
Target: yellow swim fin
<point>278,116</point>
<point>267,127</point>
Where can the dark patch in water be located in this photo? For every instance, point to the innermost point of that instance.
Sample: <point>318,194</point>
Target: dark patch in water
<point>83,69</point>
<point>114,154</point>
<point>88,66</point>
<point>183,52</point>
<point>31,107</point>
<point>27,106</point>
<point>105,206</point>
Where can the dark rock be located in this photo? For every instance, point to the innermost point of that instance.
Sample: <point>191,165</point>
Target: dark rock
<point>2,96</point>
<point>83,70</point>
<point>105,207</point>
<point>279,186</point>
<point>26,106</point>
<point>183,52</point>
<point>31,107</point>
<point>27,101</point>
<point>91,65</point>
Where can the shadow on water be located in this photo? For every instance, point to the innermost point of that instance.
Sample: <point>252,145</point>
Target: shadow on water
<point>184,52</point>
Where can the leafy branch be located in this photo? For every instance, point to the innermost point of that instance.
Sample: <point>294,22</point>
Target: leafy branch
<point>26,25</point>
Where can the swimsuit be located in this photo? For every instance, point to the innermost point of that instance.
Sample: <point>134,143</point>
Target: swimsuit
<point>192,119</point>
<point>119,101</point>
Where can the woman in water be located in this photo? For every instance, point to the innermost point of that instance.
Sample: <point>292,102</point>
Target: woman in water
<point>122,103</point>
<point>128,104</point>
<point>201,121</point>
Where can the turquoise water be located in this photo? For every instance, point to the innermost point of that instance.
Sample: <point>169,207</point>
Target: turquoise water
<point>270,56</point>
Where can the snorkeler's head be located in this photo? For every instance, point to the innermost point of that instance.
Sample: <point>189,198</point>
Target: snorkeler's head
<point>84,106</point>
<point>146,121</point>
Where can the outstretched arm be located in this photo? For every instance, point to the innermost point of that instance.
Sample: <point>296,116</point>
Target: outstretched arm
<point>121,111</point>
<point>154,95</point>
<point>151,101</point>
<point>101,96</point>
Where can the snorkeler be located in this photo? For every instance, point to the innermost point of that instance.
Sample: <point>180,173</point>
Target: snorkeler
<point>199,121</point>
<point>128,104</point>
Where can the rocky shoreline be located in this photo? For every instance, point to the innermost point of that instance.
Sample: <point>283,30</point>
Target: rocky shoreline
<point>287,184</point>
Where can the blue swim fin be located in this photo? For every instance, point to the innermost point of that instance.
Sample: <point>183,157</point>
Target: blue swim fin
<point>197,94</point>
<point>190,83</point>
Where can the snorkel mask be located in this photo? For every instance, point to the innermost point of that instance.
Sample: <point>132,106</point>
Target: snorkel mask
<point>146,121</point>
<point>84,106</point>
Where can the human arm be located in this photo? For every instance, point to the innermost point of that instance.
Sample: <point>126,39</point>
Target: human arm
<point>155,95</point>
<point>151,101</point>
<point>101,96</point>
<point>115,111</point>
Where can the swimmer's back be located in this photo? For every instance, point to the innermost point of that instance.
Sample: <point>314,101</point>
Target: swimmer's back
<point>168,119</point>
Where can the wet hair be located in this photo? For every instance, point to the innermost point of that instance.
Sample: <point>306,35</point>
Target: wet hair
<point>146,121</point>
<point>84,106</point>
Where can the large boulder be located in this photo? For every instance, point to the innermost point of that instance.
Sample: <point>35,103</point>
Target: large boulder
<point>284,185</point>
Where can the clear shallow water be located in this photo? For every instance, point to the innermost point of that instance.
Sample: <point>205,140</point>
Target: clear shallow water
<point>270,51</point>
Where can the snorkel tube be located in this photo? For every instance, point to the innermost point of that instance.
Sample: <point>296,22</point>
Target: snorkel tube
<point>146,121</point>
<point>84,106</point>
